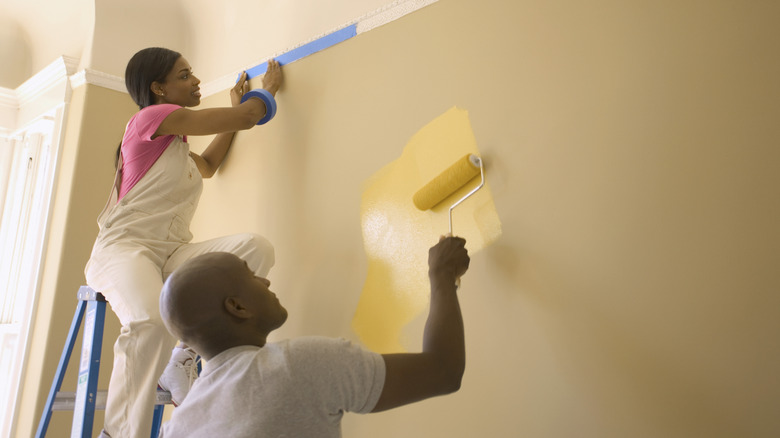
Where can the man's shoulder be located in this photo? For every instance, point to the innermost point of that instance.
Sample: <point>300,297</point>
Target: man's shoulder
<point>326,351</point>
<point>316,343</point>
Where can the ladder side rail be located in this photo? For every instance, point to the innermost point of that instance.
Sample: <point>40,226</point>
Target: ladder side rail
<point>157,420</point>
<point>43,425</point>
<point>89,368</point>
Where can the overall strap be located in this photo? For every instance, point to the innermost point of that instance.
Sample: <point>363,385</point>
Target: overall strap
<point>113,197</point>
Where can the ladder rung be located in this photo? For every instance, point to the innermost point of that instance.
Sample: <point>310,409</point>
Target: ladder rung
<point>66,401</point>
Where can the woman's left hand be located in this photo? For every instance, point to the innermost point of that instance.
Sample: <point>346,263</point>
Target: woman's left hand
<point>241,87</point>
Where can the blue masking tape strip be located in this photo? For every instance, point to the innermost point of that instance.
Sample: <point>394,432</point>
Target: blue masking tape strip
<point>267,98</point>
<point>306,50</point>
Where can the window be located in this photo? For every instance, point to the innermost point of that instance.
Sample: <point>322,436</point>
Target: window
<point>28,163</point>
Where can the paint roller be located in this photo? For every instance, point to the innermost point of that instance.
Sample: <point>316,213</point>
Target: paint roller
<point>448,182</point>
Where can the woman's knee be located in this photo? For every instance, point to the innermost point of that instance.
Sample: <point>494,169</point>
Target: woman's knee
<point>258,253</point>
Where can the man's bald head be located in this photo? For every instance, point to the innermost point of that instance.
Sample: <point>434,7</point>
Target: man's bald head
<point>215,300</point>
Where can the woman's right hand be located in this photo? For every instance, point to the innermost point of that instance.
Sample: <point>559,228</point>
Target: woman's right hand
<point>238,90</point>
<point>272,79</point>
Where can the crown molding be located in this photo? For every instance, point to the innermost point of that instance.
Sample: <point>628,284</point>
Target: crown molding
<point>94,77</point>
<point>47,88</point>
<point>8,98</point>
<point>53,84</point>
<point>42,84</point>
<point>46,79</point>
<point>389,13</point>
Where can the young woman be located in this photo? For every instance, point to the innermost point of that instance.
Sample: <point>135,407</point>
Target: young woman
<point>144,229</point>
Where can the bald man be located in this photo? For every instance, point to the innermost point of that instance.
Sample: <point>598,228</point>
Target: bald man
<point>300,387</point>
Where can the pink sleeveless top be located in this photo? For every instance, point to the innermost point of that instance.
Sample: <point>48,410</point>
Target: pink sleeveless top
<point>139,150</point>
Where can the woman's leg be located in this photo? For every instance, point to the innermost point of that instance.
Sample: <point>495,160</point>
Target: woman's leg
<point>252,248</point>
<point>131,280</point>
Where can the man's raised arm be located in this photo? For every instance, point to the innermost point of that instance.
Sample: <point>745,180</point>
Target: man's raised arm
<point>438,370</point>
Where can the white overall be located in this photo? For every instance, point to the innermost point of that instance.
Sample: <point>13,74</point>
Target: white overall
<point>142,239</point>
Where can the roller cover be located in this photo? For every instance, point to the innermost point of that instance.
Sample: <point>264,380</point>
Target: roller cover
<point>447,183</point>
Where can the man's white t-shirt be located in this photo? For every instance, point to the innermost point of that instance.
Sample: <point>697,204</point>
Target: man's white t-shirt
<point>297,388</point>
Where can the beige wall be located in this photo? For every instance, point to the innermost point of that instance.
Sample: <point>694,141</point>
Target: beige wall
<point>632,155</point>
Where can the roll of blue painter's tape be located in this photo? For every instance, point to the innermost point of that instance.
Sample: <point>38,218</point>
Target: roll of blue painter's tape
<point>267,98</point>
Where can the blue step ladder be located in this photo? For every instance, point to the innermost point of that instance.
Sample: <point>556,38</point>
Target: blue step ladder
<point>87,398</point>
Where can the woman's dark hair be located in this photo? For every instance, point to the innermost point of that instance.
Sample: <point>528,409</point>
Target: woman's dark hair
<point>147,66</point>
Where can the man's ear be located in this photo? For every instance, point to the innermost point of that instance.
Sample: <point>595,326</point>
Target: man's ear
<point>235,307</point>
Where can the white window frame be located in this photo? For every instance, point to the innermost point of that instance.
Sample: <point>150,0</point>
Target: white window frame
<point>32,136</point>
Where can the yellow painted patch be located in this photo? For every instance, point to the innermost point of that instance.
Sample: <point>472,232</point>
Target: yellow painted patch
<point>397,235</point>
